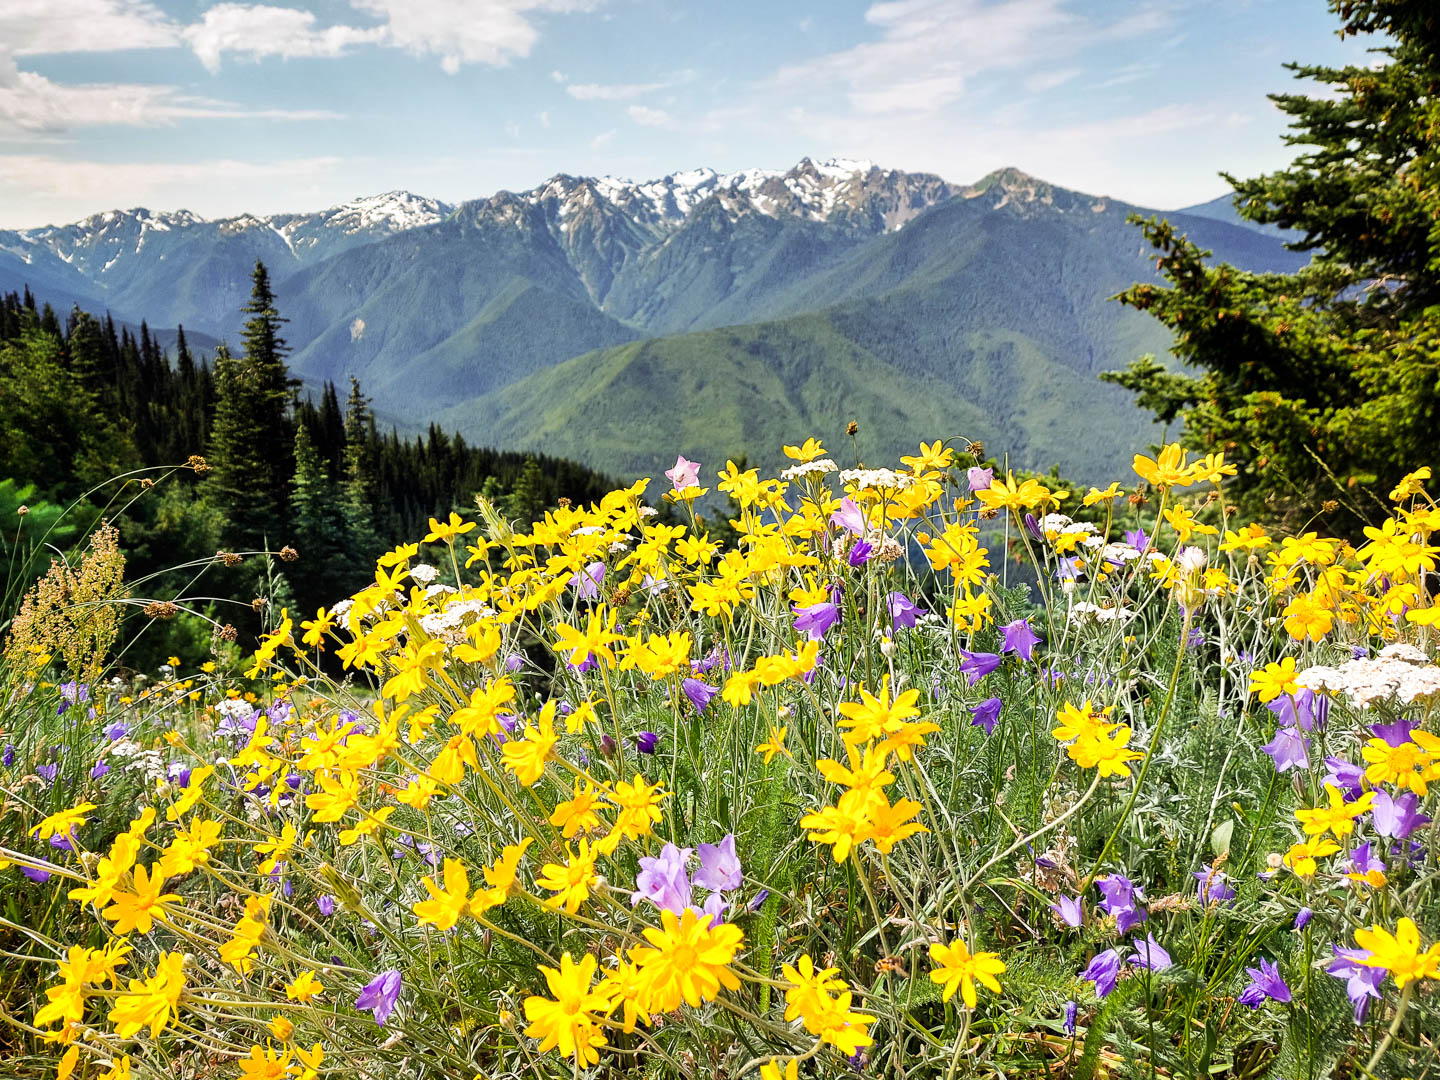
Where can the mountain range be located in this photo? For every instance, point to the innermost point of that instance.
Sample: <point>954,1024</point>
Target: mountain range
<point>709,314</point>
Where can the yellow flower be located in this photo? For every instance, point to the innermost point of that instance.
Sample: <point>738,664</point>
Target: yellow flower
<point>316,629</point>
<point>281,1027</point>
<point>1168,470</point>
<point>1400,953</point>
<point>66,1065</point>
<point>803,454</point>
<point>1410,484</point>
<point>689,961</point>
<point>1308,619</point>
<point>1006,494</point>
<point>1405,766</point>
<point>935,456</point>
<point>499,878</point>
<point>571,1022</point>
<point>1338,818</point>
<point>774,744</point>
<point>190,849</point>
<point>594,640</point>
<point>843,825</point>
<point>1274,680</point>
<point>444,532</point>
<point>957,968</point>
<point>771,1070</point>
<point>873,717</point>
<point>445,906</point>
<point>1108,752</point>
<point>304,987</point>
<point>526,756</point>
<point>891,824</point>
<point>571,883</point>
<point>1081,722</point>
<point>150,1002</point>
<point>1300,859</point>
<point>265,1064</point>
<point>137,910</point>
<point>62,821</point>
<point>1095,495</point>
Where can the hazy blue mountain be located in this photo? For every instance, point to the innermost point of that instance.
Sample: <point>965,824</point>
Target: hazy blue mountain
<point>590,312</point>
<point>1223,209</point>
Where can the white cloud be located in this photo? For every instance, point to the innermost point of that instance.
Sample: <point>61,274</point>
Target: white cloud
<point>928,51</point>
<point>648,117</point>
<point>604,139</point>
<point>612,91</point>
<point>544,117</point>
<point>557,76</point>
<point>254,31</point>
<point>459,32</point>
<point>30,102</point>
<point>32,27</point>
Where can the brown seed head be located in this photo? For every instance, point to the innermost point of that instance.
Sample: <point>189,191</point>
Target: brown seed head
<point>289,554</point>
<point>852,428</point>
<point>197,463</point>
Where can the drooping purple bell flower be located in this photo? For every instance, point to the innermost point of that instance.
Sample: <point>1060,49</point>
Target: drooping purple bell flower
<point>1020,639</point>
<point>986,714</point>
<point>1103,971</point>
<point>1265,982</point>
<point>380,995</point>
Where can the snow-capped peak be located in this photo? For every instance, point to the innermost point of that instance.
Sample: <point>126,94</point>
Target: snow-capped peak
<point>392,211</point>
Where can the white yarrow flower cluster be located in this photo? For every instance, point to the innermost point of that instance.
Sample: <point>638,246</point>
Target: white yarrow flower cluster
<point>424,573</point>
<point>1085,611</point>
<point>1401,672</point>
<point>877,479</point>
<point>818,467</point>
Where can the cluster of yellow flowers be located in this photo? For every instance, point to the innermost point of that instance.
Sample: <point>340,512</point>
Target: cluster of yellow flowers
<point>508,696</point>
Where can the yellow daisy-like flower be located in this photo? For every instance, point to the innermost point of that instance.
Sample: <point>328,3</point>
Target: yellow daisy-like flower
<point>570,1022</point>
<point>689,961</point>
<point>1273,680</point>
<point>1400,953</point>
<point>956,968</point>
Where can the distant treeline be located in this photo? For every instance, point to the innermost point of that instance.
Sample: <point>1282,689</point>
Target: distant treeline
<point>83,400</point>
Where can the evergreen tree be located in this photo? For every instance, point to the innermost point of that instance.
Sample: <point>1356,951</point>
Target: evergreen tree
<point>265,351</point>
<point>239,482</point>
<point>326,564</point>
<point>360,490</point>
<point>1323,384</point>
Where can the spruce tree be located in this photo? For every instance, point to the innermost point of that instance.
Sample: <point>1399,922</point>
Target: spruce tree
<point>238,485</point>
<point>361,487</point>
<point>325,567</point>
<point>1322,385</point>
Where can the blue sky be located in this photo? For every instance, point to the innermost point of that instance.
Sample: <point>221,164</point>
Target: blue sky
<point>223,108</point>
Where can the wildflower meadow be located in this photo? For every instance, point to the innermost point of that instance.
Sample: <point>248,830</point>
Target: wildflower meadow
<point>919,771</point>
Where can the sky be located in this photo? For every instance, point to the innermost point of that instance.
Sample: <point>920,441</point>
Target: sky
<point>229,108</point>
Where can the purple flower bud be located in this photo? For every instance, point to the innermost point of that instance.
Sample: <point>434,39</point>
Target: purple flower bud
<point>1265,982</point>
<point>646,741</point>
<point>986,714</point>
<point>699,693</point>
<point>903,612</point>
<point>976,665</point>
<point>1071,1008</point>
<point>860,553</point>
<point>815,619</point>
<point>326,904</point>
<point>99,770</point>
<point>607,746</point>
<point>719,866</point>
<point>1071,910</point>
<point>7,757</point>
<point>1020,639</point>
<point>514,662</point>
<point>380,995</point>
<point>759,901</point>
<point>979,479</point>
<point>1103,971</point>
<point>1303,917</point>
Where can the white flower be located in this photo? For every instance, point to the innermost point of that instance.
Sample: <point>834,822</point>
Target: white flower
<point>877,479</point>
<point>819,467</point>
<point>424,573</point>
